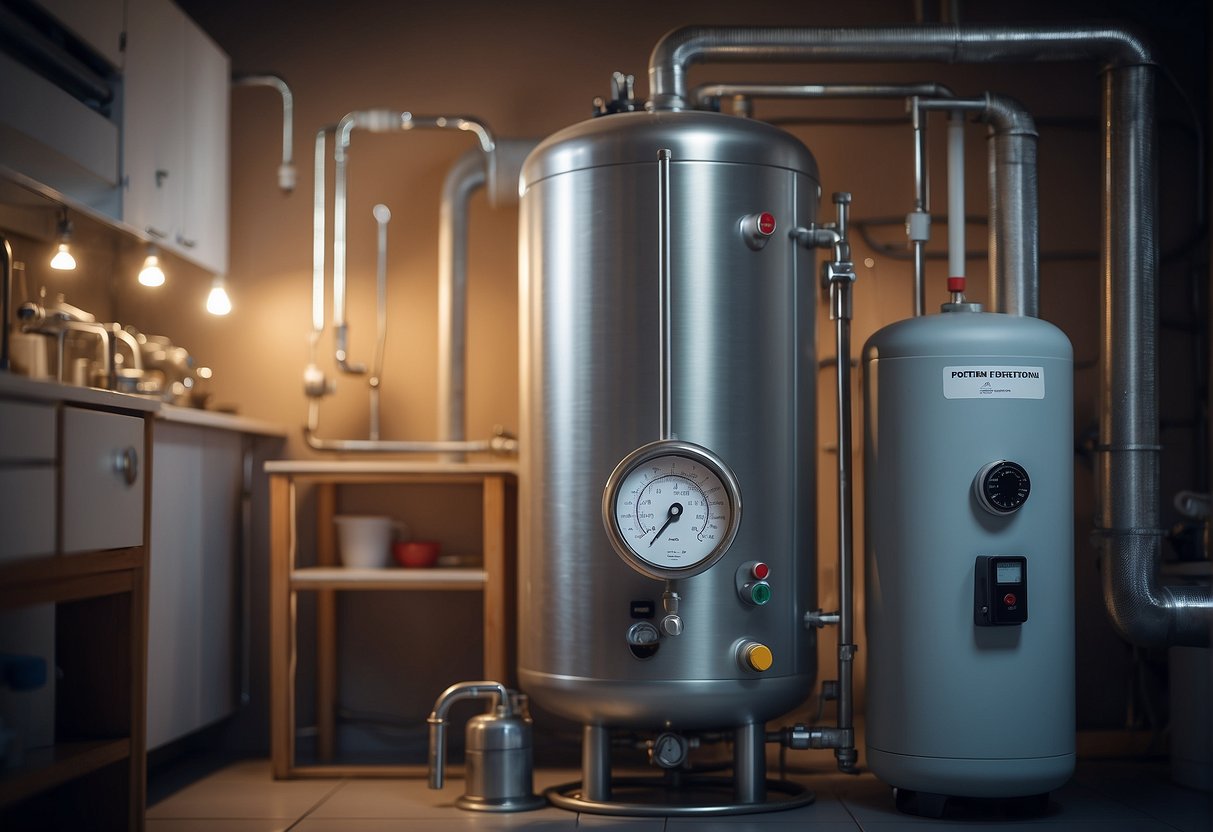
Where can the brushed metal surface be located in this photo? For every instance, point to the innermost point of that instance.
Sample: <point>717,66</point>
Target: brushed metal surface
<point>743,376</point>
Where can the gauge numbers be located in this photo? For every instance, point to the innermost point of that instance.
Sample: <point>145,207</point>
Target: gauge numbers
<point>671,509</point>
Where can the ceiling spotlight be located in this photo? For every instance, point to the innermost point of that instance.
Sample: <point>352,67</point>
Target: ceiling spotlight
<point>151,274</point>
<point>217,302</point>
<point>63,260</point>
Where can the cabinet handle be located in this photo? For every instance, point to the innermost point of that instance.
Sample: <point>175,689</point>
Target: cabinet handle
<point>182,240</point>
<point>161,175</point>
<point>126,463</point>
<point>156,232</point>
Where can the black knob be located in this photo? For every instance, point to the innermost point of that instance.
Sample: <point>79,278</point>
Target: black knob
<point>1002,487</point>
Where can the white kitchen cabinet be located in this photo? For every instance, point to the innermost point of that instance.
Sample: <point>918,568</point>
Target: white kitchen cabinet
<point>103,472</point>
<point>96,22</point>
<point>83,764</point>
<point>27,479</point>
<point>198,476</point>
<point>175,134</point>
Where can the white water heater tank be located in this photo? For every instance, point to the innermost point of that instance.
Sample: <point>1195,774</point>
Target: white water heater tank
<point>970,559</point>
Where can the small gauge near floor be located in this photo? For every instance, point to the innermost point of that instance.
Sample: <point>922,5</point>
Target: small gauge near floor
<point>671,509</point>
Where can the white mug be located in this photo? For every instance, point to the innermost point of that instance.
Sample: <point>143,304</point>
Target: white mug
<point>365,541</point>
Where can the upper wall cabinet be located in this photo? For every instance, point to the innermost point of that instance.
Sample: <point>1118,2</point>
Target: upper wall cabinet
<point>96,22</point>
<point>175,134</point>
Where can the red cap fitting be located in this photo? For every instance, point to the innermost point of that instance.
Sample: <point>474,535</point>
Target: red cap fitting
<point>956,284</point>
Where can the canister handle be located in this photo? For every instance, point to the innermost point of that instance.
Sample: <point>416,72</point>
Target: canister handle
<point>437,719</point>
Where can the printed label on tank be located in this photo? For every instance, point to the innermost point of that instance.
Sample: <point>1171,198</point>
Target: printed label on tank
<point>985,382</point>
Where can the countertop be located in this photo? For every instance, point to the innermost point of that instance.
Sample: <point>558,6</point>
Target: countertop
<point>45,390</point>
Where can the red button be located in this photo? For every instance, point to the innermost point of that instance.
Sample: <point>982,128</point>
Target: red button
<point>761,570</point>
<point>1009,599</point>
<point>766,223</point>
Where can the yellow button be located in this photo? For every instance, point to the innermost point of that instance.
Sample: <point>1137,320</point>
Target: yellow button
<point>758,657</point>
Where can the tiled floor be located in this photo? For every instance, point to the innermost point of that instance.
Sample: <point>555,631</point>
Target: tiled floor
<point>242,797</point>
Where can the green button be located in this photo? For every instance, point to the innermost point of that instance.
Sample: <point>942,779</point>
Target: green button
<point>760,593</point>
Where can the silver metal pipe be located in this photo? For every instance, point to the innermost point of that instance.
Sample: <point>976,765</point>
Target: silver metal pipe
<point>680,48</point>
<point>501,444</point>
<point>466,176</point>
<point>380,121</point>
<point>922,207</point>
<point>437,720</point>
<point>749,763</point>
<point>596,763</point>
<point>1014,242</point>
<point>1128,461</point>
<point>1128,512</point>
<point>133,345</point>
<point>318,241</point>
<point>6,299</point>
<point>704,94</point>
<point>663,292</point>
<point>840,276</point>
<point>1014,209</point>
<point>383,216</point>
<point>286,170</point>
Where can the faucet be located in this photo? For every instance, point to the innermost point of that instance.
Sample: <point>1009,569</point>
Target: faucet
<point>6,297</point>
<point>61,322</point>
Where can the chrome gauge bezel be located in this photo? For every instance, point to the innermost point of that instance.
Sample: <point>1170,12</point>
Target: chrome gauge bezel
<point>644,455</point>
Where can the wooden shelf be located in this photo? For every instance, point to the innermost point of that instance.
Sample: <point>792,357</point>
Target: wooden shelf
<point>319,577</point>
<point>493,579</point>
<point>45,768</point>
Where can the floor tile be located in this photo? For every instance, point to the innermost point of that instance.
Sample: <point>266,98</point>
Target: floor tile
<point>601,823</point>
<point>247,798</point>
<point>212,825</point>
<point>471,823</point>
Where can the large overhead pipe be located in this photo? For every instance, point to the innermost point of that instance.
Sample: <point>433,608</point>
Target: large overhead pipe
<point>1127,513</point>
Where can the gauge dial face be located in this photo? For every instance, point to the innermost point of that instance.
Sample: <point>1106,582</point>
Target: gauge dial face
<point>671,509</point>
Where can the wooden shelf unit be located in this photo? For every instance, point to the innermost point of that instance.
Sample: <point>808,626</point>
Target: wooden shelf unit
<point>498,484</point>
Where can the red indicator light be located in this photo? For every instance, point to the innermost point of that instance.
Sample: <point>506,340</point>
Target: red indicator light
<point>761,571</point>
<point>766,223</point>
<point>1009,599</point>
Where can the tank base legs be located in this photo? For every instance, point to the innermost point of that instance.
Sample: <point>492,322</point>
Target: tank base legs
<point>678,792</point>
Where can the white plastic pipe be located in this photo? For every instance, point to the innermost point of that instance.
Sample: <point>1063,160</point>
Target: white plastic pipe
<point>956,194</point>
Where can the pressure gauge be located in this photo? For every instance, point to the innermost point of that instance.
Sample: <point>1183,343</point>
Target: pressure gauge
<point>671,509</point>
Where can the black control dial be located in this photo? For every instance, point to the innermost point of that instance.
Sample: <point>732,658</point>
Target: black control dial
<point>1002,487</point>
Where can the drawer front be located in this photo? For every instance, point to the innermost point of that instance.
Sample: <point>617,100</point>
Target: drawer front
<point>27,432</point>
<point>27,511</point>
<point>103,475</point>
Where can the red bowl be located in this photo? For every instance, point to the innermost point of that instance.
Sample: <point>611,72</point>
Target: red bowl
<point>416,554</point>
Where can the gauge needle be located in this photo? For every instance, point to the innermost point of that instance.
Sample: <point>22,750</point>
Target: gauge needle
<point>673,514</point>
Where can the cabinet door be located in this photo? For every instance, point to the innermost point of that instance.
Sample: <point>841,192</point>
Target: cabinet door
<point>153,134</point>
<point>193,592</point>
<point>205,212</point>
<point>103,473</point>
<point>27,479</point>
<point>97,22</point>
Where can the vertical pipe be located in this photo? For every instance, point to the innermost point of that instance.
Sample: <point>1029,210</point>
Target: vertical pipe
<point>464,178</point>
<point>663,266</point>
<point>1128,514</point>
<point>6,300</point>
<point>1014,209</point>
<point>922,207</point>
<point>841,311</point>
<point>596,763</point>
<point>749,763</point>
<point>956,194</point>
<point>318,240</point>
